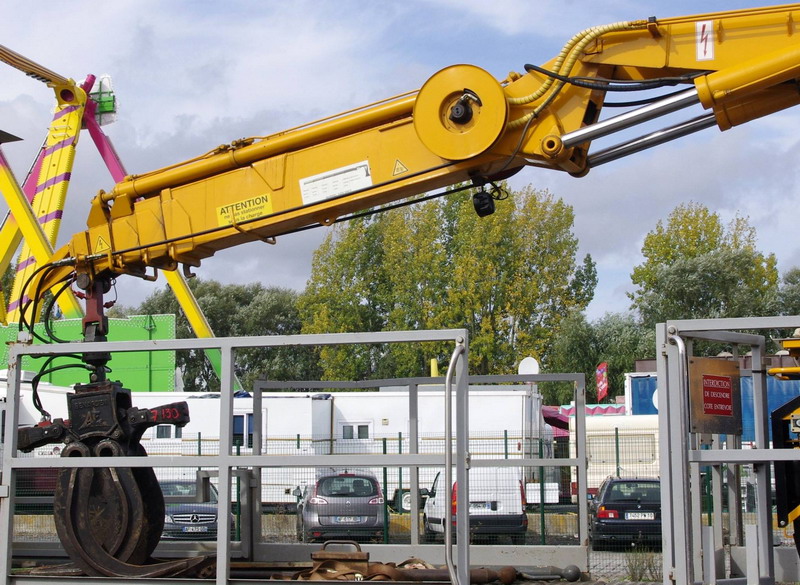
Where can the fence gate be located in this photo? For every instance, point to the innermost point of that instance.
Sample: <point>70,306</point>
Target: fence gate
<point>711,533</point>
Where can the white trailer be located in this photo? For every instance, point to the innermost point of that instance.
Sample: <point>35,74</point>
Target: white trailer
<point>505,422</point>
<point>617,445</point>
<point>53,398</point>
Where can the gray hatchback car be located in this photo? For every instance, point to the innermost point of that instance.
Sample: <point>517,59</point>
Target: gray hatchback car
<point>346,504</point>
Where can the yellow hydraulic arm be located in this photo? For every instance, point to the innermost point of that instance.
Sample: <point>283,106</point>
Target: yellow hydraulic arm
<point>462,125</point>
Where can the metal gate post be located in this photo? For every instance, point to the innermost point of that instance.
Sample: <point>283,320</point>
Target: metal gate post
<point>462,466</point>
<point>672,409</point>
<point>9,481</point>
<point>762,471</point>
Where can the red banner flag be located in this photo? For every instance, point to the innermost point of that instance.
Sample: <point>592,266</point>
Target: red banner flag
<point>601,376</point>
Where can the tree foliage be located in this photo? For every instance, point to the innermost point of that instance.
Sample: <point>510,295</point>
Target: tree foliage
<point>697,268</point>
<point>508,278</point>
<point>573,350</point>
<point>789,293</point>
<point>7,280</point>
<point>621,340</point>
<point>722,283</point>
<point>579,346</point>
<point>238,310</point>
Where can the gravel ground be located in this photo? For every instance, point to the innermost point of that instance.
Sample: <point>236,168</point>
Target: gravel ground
<point>609,568</point>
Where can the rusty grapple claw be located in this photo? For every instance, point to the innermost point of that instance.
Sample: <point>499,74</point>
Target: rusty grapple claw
<point>109,519</point>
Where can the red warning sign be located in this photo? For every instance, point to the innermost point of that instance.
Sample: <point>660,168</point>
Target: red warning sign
<point>717,395</point>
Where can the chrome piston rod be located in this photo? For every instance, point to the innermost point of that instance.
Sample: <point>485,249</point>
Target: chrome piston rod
<point>650,140</point>
<point>657,109</point>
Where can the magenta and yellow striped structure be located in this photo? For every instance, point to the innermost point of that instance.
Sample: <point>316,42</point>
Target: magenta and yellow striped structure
<point>49,194</point>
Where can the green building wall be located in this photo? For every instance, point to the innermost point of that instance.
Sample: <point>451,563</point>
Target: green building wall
<point>138,371</point>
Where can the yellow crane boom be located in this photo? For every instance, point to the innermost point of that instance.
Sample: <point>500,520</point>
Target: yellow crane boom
<point>462,125</point>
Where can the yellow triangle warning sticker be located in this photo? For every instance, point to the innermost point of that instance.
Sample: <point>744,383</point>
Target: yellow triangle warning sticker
<point>399,168</point>
<point>101,245</point>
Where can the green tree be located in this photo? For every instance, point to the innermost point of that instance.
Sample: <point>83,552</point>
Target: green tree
<point>7,280</point>
<point>345,294</point>
<point>238,310</point>
<point>573,349</point>
<point>579,346</point>
<point>508,278</point>
<point>697,268</point>
<point>722,283</point>
<point>621,340</point>
<point>691,230</point>
<point>6,283</point>
<point>789,293</point>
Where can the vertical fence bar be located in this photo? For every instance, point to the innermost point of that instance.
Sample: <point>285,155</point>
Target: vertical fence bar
<point>385,497</point>
<point>542,526</point>
<point>399,504</point>
<point>238,499</point>
<point>413,447</point>
<point>225,466</point>
<point>616,450</point>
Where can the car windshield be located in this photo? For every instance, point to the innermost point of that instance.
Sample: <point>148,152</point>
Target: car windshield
<point>635,491</point>
<point>347,485</point>
<point>186,489</point>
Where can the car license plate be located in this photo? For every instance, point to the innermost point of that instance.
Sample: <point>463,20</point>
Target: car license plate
<point>480,505</point>
<point>347,519</point>
<point>195,528</point>
<point>640,516</point>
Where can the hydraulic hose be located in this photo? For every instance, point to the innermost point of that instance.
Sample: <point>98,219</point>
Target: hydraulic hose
<point>565,62</point>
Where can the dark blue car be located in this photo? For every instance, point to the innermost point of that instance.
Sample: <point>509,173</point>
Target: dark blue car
<point>626,514</point>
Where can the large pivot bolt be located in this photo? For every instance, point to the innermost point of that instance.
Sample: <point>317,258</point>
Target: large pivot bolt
<point>461,112</point>
<point>451,121</point>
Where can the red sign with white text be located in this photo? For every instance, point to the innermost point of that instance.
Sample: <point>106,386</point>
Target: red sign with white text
<point>717,395</point>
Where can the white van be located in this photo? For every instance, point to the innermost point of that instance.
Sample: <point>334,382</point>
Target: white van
<point>496,504</point>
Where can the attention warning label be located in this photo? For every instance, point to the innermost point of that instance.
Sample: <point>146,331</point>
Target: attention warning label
<point>247,209</point>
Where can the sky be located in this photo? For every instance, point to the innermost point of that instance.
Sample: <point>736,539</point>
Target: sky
<point>190,75</point>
